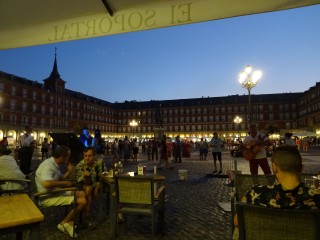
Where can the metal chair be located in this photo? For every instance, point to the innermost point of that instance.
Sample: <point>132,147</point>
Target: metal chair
<point>15,186</point>
<point>136,196</point>
<point>36,196</point>
<point>242,184</point>
<point>277,224</point>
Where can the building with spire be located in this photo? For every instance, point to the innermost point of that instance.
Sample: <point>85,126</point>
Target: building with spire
<point>50,107</point>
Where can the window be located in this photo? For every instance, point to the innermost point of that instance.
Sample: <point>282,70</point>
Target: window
<point>13,118</point>
<point>34,95</point>
<point>34,107</point>
<point>13,90</point>
<point>24,93</point>
<point>24,106</point>
<point>43,97</point>
<point>13,104</point>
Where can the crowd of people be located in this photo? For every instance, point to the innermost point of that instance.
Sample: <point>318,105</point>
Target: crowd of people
<point>286,164</point>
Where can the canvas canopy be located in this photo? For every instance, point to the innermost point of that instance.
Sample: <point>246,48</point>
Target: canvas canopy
<point>35,22</point>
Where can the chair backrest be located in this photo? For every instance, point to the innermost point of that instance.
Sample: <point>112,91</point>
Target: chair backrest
<point>33,185</point>
<point>277,224</point>
<point>135,190</point>
<point>244,182</point>
<point>15,185</point>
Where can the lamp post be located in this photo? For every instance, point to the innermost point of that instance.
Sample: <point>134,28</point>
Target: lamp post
<point>237,120</point>
<point>248,80</point>
<point>133,124</point>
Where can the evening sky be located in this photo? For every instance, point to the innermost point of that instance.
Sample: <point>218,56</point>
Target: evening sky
<point>188,61</point>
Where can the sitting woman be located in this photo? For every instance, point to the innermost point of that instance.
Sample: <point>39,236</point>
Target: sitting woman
<point>88,171</point>
<point>10,170</point>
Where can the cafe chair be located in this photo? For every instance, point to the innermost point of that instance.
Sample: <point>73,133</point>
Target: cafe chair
<point>263,223</point>
<point>242,184</point>
<point>36,196</point>
<point>136,196</point>
<point>15,186</point>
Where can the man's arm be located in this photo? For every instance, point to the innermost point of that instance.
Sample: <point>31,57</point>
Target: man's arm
<point>50,184</point>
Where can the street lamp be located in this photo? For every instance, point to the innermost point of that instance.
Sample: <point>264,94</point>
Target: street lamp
<point>237,121</point>
<point>133,124</point>
<point>248,80</point>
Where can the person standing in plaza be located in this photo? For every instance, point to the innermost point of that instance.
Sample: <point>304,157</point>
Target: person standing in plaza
<point>86,139</point>
<point>126,150</point>
<point>99,143</point>
<point>216,144</point>
<point>155,146</point>
<point>288,140</point>
<point>163,152</point>
<point>27,143</point>
<point>4,142</point>
<point>254,145</point>
<point>44,149</point>
<point>177,149</point>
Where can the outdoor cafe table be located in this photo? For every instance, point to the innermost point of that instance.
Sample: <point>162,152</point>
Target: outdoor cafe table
<point>111,184</point>
<point>19,213</point>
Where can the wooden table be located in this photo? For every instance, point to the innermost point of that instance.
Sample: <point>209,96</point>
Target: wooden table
<point>111,184</point>
<point>19,213</point>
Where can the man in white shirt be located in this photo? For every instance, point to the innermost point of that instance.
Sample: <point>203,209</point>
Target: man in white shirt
<point>26,151</point>
<point>260,159</point>
<point>49,177</point>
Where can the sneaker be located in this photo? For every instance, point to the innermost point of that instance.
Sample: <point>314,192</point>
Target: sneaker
<point>69,229</point>
<point>220,171</point>
<point>215,171</point>
<point>61,228</point>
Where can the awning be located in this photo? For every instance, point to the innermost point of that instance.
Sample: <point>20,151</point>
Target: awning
<point>35,22</point>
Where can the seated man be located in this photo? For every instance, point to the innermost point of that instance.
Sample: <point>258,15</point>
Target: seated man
<point>88,171</point>
<point>49,177</point>
<point>288,192</point>
<point>10,169</point>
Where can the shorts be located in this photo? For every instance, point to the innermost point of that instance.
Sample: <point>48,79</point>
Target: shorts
<point>62,199</point>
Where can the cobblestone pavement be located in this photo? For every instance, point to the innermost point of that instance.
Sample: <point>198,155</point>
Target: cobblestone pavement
<point>192,210</point>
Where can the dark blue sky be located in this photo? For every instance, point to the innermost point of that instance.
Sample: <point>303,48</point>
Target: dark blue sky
<point>190,61</point>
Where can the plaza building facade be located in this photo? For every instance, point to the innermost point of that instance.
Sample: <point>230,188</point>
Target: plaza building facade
<point>51,107</point>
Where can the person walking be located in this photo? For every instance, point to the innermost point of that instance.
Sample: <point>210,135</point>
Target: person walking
<point>216,144</point>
